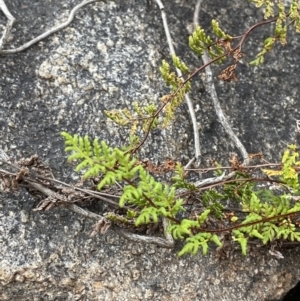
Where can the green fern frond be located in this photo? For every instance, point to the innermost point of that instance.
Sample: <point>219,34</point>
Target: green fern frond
<point>199,240</point>
<point>140,117</point>
<point>241,239</point>
<point>146,215</point>
<point>184,228</point>
<point>267,216</point>
<point>295,14</point>
<point>179,179</point>
<point>179,64</point>
<point>218,31</point>
<point>199,42</point>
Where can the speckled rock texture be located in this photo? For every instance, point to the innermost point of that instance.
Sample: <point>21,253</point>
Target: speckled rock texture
<point>108,58</point>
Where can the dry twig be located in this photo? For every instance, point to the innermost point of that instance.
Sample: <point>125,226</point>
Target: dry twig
<point>10,22</point>
<point>47,33</point>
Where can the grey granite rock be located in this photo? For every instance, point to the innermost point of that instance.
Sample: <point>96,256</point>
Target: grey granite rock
<point>108,58</point>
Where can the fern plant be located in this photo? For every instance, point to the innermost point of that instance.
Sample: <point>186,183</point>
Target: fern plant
<point>267,217</point>
<point>270,215</point>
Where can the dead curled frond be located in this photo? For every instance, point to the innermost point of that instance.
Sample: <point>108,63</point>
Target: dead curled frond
<point>101,226</point>
<point>8,181</point>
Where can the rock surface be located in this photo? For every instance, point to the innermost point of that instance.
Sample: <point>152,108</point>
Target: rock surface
<point>107,58</point>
